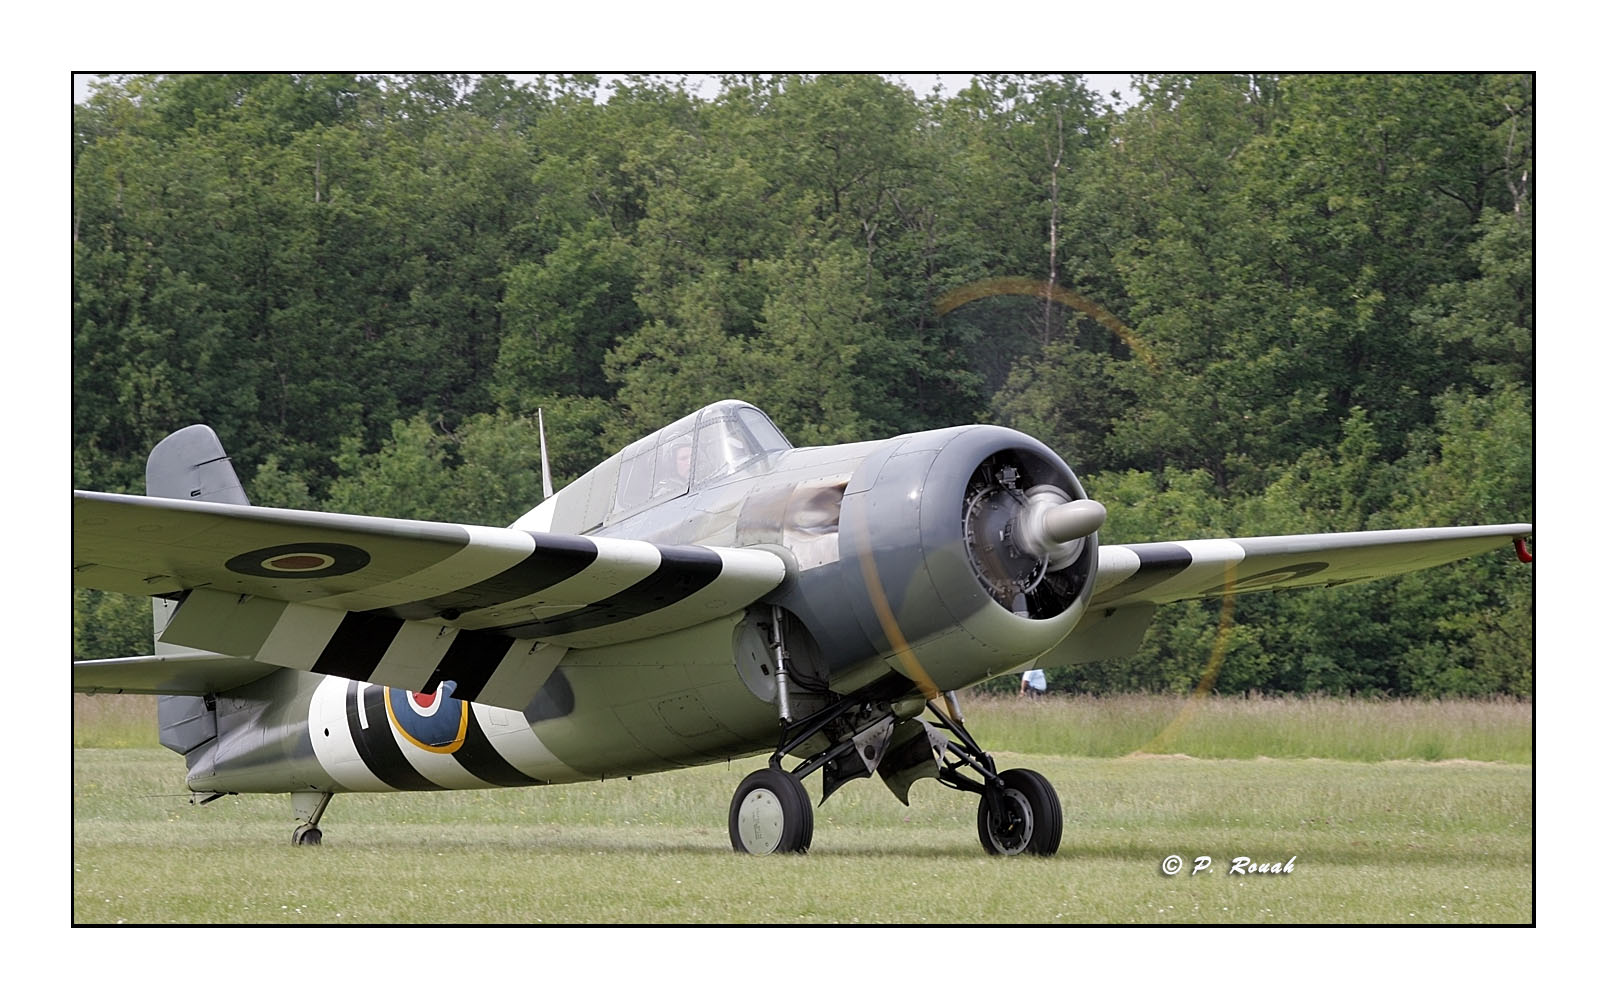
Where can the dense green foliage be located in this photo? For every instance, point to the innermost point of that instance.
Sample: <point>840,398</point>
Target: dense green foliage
<point>1283,304</point>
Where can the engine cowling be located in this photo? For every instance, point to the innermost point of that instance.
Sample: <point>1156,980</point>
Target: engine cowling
<point>965,553</point>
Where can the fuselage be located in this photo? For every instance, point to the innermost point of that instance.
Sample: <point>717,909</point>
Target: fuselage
<point>896,582</point>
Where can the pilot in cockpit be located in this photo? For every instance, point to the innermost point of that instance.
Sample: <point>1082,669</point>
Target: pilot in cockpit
<point>675,474</point>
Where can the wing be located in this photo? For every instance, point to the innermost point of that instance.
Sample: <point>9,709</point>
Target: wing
<point>1133,580</point>
<point>400,602</point>
<point>1189,570</point>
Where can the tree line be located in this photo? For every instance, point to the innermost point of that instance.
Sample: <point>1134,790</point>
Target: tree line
<point>1242,304</point>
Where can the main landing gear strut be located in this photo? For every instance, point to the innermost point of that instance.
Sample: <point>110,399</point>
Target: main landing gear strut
<point>1018,811</point>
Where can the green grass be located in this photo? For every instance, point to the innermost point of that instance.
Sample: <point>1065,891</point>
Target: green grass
<point>114,721</point>
<point>1369,730</point>
<point>1396,841</point>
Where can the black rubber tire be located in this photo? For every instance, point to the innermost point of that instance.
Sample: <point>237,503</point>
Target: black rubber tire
<point>307,836</point>
<point>1033,823</point>
<point>779,817</point>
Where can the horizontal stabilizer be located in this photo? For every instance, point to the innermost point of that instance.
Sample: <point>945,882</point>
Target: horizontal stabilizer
<point>189,673</point>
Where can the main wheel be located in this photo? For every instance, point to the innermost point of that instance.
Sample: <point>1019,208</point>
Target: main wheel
<point>1027,819</point>
<point>770,813</point>
<point>307,835</point>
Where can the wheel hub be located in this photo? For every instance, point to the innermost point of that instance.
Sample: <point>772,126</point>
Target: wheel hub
<point>760,820</point>
<point>1010,825</point>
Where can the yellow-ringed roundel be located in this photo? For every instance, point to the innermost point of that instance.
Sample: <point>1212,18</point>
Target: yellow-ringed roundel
<point>434,722</point>
<point>412,719</point>
<point>306,560</point>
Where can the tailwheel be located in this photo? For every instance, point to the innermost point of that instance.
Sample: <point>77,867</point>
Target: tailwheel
<point>770,813</point>
<point>309,808</point>
<point>1022,816</point>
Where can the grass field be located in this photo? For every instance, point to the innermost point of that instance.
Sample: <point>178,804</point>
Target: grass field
<point>1445,837</point>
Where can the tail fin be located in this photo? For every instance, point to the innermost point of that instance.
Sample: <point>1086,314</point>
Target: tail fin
<point>189,464</point>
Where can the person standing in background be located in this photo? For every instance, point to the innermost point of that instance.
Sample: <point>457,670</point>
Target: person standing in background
<point>1033,683</point>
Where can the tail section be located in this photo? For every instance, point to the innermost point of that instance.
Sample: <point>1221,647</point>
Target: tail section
<point>189,464</point>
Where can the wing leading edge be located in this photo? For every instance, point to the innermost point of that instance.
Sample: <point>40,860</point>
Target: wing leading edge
<point>399,602</point>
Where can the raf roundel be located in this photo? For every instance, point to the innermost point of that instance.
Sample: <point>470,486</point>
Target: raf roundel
<point>308,560</point>
<point>437,723</point>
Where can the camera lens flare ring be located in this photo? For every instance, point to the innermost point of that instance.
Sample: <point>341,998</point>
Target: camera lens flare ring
<point>1035,288</point>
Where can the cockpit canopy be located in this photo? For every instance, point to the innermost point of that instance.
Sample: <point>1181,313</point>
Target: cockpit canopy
<point>713,442</point>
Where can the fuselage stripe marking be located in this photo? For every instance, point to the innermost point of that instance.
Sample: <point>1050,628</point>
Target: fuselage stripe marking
<point>377,746</point>
<point>481,759</point>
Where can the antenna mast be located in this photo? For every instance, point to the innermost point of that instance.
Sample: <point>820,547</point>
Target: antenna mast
<point>546,472</point>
